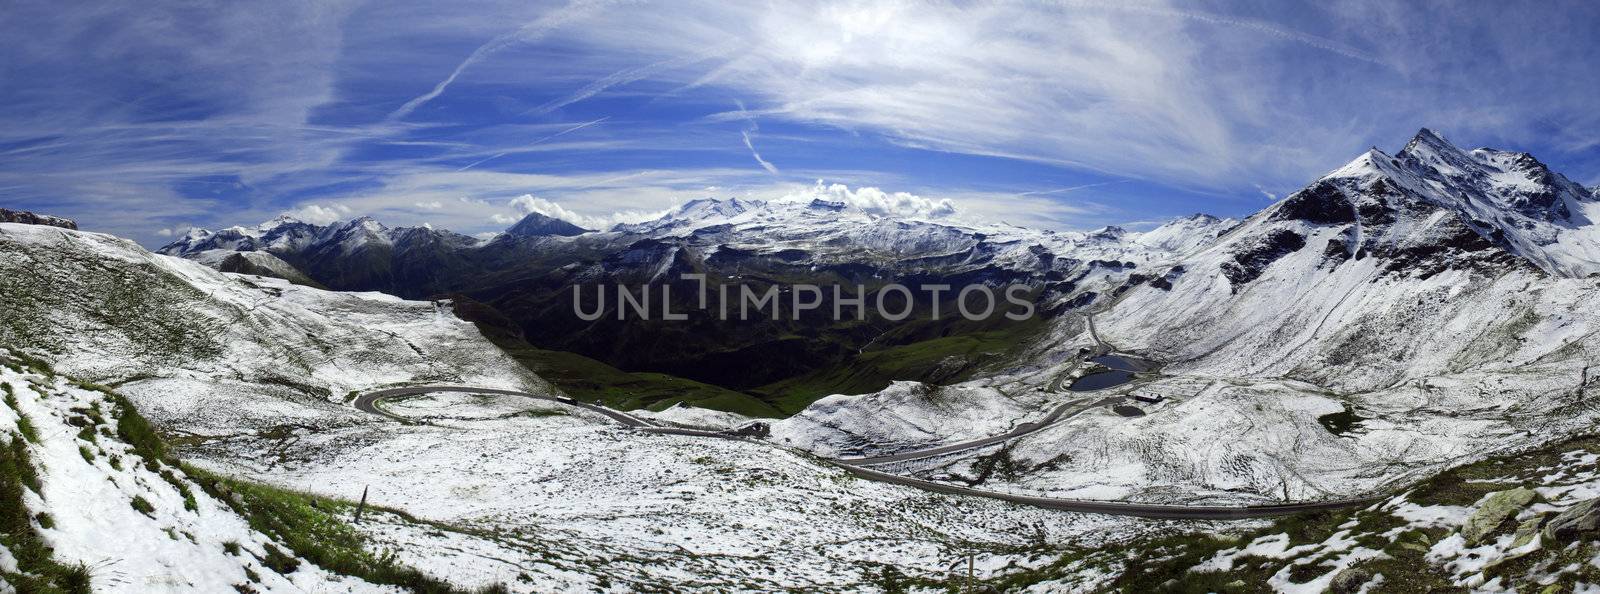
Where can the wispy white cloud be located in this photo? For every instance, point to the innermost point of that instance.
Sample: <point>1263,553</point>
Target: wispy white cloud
<point>751,128</point>
<point>878,202</point>
<point>172,115</point>
<point>318,214</point>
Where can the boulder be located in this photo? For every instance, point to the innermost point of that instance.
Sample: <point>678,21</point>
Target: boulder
<point>1526,532</point>
<point>1493,511</point>
<point>1574,523</point>
<point>1349,581</point>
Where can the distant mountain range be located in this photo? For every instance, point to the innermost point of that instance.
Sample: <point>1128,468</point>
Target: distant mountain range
<point>526,275</point>
<point>1429,208</point>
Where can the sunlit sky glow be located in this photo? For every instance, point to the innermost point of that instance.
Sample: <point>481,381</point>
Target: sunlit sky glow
<point>147,118</point>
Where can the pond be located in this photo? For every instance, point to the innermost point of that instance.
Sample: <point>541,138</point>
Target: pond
<point>1121,369</point>
<point>1101,380</point>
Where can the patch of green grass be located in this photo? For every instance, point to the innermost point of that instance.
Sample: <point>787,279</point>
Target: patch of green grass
<point>590,380</point>
<point>24,424</point>
<point>26,428</point>
<point>23,467</point>
<point>38,572</point>
<point>941,360</point>
<point>137,432</point>
<point>143,506</point>
<point>316,529</point>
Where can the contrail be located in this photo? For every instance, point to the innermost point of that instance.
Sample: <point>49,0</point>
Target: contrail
<point>536,142</point>
<point>525,34</point>
<point>773,169</point>
<point>626,76</point>
<point>1071,188</point>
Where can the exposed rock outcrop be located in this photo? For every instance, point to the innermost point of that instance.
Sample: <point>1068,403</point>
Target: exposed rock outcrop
<point>28,218</point>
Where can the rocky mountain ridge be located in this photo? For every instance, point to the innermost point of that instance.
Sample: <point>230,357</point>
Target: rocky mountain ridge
<point>28,218</point>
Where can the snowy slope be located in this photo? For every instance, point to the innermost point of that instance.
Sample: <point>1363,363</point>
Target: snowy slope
<point>545,501</point>
<point>216,350</point>
<point>91,486</point>
<point>1384,289</point>
<point>1185,234</point>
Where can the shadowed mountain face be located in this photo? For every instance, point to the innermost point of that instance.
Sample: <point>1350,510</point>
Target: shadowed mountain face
<point>1430,208</point>
<point>538,225</point>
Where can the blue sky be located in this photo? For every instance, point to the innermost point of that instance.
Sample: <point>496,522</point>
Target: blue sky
<point>143,119</point>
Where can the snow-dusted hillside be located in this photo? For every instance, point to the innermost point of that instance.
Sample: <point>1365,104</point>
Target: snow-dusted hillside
<point>94,511</point>
<point>216,352</point>
<point>542,500</point>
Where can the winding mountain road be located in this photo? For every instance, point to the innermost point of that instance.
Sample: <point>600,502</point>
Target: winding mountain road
<point>1065,410</point>
<point>369,403</point>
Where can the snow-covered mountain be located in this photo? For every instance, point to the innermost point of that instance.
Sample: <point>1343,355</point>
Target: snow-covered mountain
<point>1442,300</point>
<point>818,232</point>
<point>824,232</point>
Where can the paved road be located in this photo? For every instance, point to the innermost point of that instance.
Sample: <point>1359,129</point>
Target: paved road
<point>1065,410</point>
<point>369,403</point>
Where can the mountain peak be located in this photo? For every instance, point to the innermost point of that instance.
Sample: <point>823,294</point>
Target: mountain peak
<point>1428,143</point>
<point>709,207</point>
<point>1108,232</point>
<point>1428,137</point>
<point>279,221</point>
<point>366,222</point>
<point>829,205</point>
<point>542,225</point>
